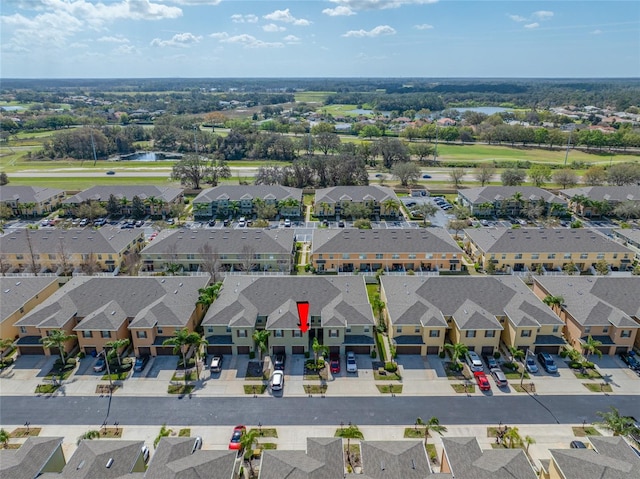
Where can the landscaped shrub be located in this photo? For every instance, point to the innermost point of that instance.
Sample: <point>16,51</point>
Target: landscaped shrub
<point>563,353</point>
<point>390,367</point>
<point>374,355</point>
<point>496,355</point>
<point>306,354</point>
<point>511,366</point>
<point>442,354</point>
<point>252,354</point>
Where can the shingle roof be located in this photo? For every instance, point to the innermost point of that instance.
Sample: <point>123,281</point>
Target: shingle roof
<point>91,457</point>
<point>410,240</point>
<point>322,460</point>
<point>594,301</point>
<point>169,301</point>
<point>27,461</point>
<point>629,234</point>
<point>27,194</point>
<point>427,301</point>
<point>102,193</point>
<point>489,194</point>
<point>543,240</point>
<point>354,193</point>
<point>221,241</point>
<point>243,298</point>
<point>72,241</point>
<point>605,193</point>
<point>238,192</point>
<point>394,459</point>
<point>17,291</point>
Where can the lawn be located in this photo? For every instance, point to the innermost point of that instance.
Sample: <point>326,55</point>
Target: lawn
<point>255,372</point>
<point>598,387</point>
<point>588,374</point>
<point>255,388</point>
<point>111,432</point>
<point>185,432</point>
<point>389,388</point>
<point>24,432</point>
<point>580,431</point>
<point>312,96</point>
<point>382,375</point>
<point>266,431</point>
<point>414,433</point>
<point>454,374</point>
<point>46,388</point>
<point>180,389</point>
<point>178,376</point>
<point>315,388</point>
<point>464,388</point>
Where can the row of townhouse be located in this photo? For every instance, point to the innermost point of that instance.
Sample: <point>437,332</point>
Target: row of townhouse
<point>30,200</point>
<point>596,201</point>
<point>502,201</point>
<point>422,313</point>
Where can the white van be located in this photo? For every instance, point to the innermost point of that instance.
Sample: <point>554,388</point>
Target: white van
<point>474,362</point>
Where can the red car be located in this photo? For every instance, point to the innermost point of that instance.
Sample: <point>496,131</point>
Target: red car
<point>482,380</point>
<point>238,432</point>
<point>334,364</point>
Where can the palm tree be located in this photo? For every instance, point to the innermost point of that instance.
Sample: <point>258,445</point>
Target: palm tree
<point>614,422</point>
<point>516,353</point>
<point>56,339</point>
<point>209,294</point>
<point>528,440</point>
<point>115,346</point>
<point>199,353</point>
<point>457,350</point>
<point>93,434</point>
<point>4,344</point>
<point>247,441</point>
<point>181,342</point>
<point>391,206</point>
<point>517,199</point>
<point>514,438</point>
<point>590,346</point>
<point>4,438</point>
<point>432,424</point>
<point>378,306</point>
<point>324,206</point>
<point>318,349</point>
<point>554,302</point>
<point>261,336</point>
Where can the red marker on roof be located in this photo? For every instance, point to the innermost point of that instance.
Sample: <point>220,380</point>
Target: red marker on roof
<point>303,315</point>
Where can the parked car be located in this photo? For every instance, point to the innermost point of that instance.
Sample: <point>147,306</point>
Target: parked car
<point>145,453</point>
<point>170,221</point>
<point>216,363</point>
<point>242,222</point>
<point>352,366</point>
<point>278,362</point>
<point>287,223</point>
<point>411,204</point>
<point>341,224</point>
<point>141,362</point>
<point>139,223</point>
<point>547,362</point>
<point>473,361</point>
<point>212,222</point>
<point>531,365</point>
<point>238,432</point>
<point>226,222</point>
<point>100,365</point>
<point>577,445</point>
<point>83,222</point>
<point>277,380</point>
<point>490,361</point>
<point>482,380</point>
<point>630,360</point>
<point>197,444</point>
<point>499,377</point>
<point>334,363</point>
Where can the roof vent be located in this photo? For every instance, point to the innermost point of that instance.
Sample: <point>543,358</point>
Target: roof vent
<point>162,280</point>
<point>112,313</point>
<point>7,290</point>
<point>109,463</point>
<point>80,465</point>
<point>18,283</point>
<point>175,292</point>
<point>382,466</point>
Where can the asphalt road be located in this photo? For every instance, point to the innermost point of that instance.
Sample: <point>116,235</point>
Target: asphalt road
<point>78,410</point>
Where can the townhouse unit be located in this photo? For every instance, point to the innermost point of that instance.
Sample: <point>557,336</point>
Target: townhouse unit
<point>340,315</point>
<point>355,250</point>
<point>609,457</point>
<point>158,200</point>
<point>220,250</point>
<point>107,459</point>
<point>99,310</point>
<point>31,200</point>
<point>607,309</point>
<point>248,200</point>
<point>596,201</point>
<point>510,200</point>
<point>544,249</point>
<point>334,202</point>
<point>36,457</point>
<point>323,458</point>
<point>629,238</point>
<point>19,296</point>
<point>422,313</point>
<point>60,251</point>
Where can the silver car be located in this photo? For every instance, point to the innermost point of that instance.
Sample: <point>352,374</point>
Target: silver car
<point>499,377</point>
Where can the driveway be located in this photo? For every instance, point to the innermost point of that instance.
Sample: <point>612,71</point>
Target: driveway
<point>161,367</point>
<point>31,366</point>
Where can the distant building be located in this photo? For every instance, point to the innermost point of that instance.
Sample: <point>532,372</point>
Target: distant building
<point>31,200</point>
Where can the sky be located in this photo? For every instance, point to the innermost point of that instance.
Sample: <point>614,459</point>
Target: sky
<point>318,38</point>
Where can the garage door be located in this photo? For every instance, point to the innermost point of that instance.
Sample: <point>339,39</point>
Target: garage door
<point>243,349</point>
<point>487,350</point>
<point>547,349</point>
<point>297,349</point>
<point>408,349</point>
<point>621,349</point>
<point>90,350</point>
<point>358,349</point>
<point>219,350</point>
<point>164,350</point>
<point>604,349</point>
<point>278,349</point>
<point>142,351</point>
<point>433,349</point>
<point>29,350</point>
<point>334,349</point>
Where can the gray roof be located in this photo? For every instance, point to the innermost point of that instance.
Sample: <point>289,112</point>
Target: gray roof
<point>175,459</point>
<point>322,460</point>
<point>56,241</point>
<point>27,194</point>
<point>356,194</point>
<point>473,302</point>
<point>91,457</point>
<point>27,461</point>
<point>337,300</point>
<point>222,241</point>
<point>148,301</point>
<point>410,240</point>
<point>490,194</point>
<point>594,301</point>
<point>629,234</point>
<point>468,461</point>
<point>611,458</point>
<point>102,193</point>
<point>241,192</point>
<point>605,193</point>
<point>543,240</point>
<point>17,291</point>
<point>394,459</point>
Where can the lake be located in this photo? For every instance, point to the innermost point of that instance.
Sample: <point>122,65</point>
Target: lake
<point>142,156</point>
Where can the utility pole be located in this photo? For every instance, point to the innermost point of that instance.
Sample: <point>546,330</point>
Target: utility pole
<point>566,155</point>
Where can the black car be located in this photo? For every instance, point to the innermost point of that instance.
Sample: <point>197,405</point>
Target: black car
<point>278,362</point>
<point>141,362</point>
<point>630,360</point>
<point>578,445</point>
<point>212,223</point>
<point>226,222</point>
<point>490,361</point>
<point>341,224</point>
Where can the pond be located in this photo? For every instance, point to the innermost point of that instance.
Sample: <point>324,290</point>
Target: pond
<point>143,156</point>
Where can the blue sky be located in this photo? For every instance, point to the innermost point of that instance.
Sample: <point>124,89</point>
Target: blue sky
<point>318,38</point>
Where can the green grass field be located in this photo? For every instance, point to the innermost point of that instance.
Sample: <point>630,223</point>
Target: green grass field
<point>312,96</point>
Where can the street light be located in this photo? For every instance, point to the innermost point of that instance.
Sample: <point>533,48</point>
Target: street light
<point>106,362</point>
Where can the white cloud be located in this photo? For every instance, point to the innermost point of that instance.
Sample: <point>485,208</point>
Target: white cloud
<point>112,39</point>
<point>379,4</point>
<point>249,41</point>
<point>196,2</point>
<point>291,39</point>
<point>219,35</point>
<point>286,17</point>
<point>596,32</point>
<point>423,26</point>
<point>125,50</point>
<point>375,32</point>
<point>517,18</point>
<point>532,25</point>
<point>272,27</point>
<point>238,18</point>
<point>50,29</point>
<point>178,40</point>
<point>339,11</point>
<point>542,14</point>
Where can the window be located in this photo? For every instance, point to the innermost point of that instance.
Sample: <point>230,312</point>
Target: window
<point>470,334</point>
<point>23,330</point>
<point>625,333</point>
<point>345,256</point>
<point>210,330</point>
<point>504,256</point>
<point>242,333</point>
<point>348,329</point>
<point>366,329</point>
<point>600,256</point>
<point>412,256</point>
<point>518,256</point>
<point>429,256</point>
<point>434,333</point>
<point>52,256</point>
<point>584,255</point>
<point>490,333</point>
<point>333,333</point>
<point>525,333</point>
<point>551,256</point>
<point>278,333</point>
<point>363,256</point>
<point>587,329</point>
<point>417,329</point>
<point>105,334</point>
<point>398,329</point>
<point>297,333</point>
<point>556,329</point>
<point>87,334</point>
<point>159,330</point>
<point>567,256</point>
<point>320,256</point>
<point>395,256</point>
<point>379,255</point>
<point>535,255</point>
<point>605,329</point>
<point>141,334</point>
<point>228,329</point>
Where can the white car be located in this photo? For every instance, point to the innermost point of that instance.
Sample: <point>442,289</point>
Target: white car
<point>352,366</point>
<point>287,223</point>
<point>242,222</point>
<point>216,364</point>
<point>277,380</point>
<point>474,362</point>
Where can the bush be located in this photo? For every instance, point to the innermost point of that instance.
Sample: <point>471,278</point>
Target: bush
<point>390,367</point>
<point>563,353</point>
<point>82,355</point>
<point>441,354</point>
<point>306,354</point>
<point>496,355</point>
<point>575,365</point>
<point>374,355</point>
<point>252,354</point>
<point>511,366</point>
